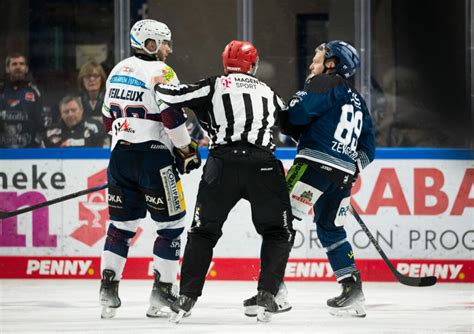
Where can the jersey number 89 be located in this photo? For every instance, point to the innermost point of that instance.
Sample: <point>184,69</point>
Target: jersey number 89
<point>349,127</point>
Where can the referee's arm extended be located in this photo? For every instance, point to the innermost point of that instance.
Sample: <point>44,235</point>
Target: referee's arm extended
<point>191,96</point>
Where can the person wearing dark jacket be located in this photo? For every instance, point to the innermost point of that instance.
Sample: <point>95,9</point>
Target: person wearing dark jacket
<point>22,120</point>
<point>335,142</point>
<point>73,130</point>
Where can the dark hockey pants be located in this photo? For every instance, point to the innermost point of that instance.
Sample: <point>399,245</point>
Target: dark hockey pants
<point>230,174</point>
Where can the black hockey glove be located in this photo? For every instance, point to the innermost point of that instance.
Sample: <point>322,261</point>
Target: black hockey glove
<point>186,162</point>
<point>294,131</point>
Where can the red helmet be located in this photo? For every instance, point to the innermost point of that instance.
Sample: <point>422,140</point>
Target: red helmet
<point>239,56</point>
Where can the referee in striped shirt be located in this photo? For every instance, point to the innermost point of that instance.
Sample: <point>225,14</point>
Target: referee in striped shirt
<point>237,111</point>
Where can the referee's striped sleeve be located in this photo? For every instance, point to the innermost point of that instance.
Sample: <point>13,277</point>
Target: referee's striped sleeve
<point>185,95</point>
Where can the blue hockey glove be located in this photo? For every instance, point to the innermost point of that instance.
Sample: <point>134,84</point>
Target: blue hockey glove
<point>186,162</point>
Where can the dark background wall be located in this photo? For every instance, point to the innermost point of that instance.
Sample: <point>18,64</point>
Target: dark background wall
<point>429,53</point>
<point>420,51</point>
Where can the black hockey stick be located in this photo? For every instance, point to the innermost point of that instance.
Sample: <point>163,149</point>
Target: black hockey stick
<point>407,280</point>
<point>6,214</point>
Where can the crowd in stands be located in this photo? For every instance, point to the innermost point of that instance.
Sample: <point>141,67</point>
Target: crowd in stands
<point>76,120</point>
<point>25,122</point>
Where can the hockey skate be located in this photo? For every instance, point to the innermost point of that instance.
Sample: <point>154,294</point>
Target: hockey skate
<point>251,308</point>
<point>266,306</point>
<point>350,303</point>
<point>109,298</point>
<point>162,295</point>
<point>181,308</point>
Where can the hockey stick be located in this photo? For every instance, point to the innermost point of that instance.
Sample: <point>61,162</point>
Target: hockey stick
<point>407,280</point>
<point>6,214</point>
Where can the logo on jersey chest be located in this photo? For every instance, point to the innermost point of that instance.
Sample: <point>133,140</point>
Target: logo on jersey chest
<point>246,83</point>
<point>168,73</point>
<point>30,96</point>
<point>13,103</point>
<point>127,69</point>
<point>125,94</point>
<point>226,82</point>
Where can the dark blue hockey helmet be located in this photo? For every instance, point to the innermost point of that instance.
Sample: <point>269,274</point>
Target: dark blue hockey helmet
<point>348,60</point>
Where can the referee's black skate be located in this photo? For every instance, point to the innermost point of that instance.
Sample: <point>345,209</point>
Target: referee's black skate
<point>251,308</point>
<point>266,306</point>
<point>162,295</point>
<point>109,298</point>
<point>181,308</point>
<point>350,303</point>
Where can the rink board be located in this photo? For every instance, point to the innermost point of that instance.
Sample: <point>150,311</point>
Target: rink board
<point>417,202</point>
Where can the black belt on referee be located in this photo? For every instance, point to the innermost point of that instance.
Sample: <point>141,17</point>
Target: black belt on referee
<point>240,148</point>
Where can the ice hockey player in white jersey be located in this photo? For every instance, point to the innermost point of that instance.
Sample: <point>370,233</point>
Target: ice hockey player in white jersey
<point>150,144</point>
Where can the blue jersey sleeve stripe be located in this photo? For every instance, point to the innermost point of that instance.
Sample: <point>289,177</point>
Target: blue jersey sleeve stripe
<point>364,160</point>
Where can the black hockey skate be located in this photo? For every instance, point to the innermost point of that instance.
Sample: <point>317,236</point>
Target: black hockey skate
<point>251,308</point>
<point>162,295</point>
<point>266,306</point>
<point>109,298</point>
<point>351,300</point>
<point>182,308</point>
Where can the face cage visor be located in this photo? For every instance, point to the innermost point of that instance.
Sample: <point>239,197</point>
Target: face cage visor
<point>158,46</point>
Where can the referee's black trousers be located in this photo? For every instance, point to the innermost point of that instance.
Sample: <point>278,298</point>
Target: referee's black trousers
<point>231,173</point>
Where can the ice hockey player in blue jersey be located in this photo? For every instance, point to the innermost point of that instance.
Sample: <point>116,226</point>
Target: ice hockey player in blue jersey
<point>330,120</point>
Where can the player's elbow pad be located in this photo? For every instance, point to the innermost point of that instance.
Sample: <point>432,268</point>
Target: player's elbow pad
<point>294,131</point>
<point>179,136</point>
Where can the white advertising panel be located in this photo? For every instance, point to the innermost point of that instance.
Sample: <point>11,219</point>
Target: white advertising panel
<point>419,208</point>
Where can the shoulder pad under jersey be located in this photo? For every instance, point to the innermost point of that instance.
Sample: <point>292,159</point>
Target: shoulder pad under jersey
<point>322,83</point>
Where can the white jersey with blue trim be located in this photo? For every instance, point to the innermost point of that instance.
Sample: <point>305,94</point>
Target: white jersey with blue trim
<point>130,103</point>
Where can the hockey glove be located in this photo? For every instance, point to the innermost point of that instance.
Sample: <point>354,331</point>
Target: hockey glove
<point>294,131</point>
<point>187,161</point>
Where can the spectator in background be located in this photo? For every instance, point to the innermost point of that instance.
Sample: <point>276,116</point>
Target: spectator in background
<point>91,82</point>
<point>22,120</point>
<point>74,129</point>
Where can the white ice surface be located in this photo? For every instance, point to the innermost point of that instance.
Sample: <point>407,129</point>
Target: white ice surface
<point>71,306</point>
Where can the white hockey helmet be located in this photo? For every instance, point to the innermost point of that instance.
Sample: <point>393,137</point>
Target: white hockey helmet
<point>149,29</point>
